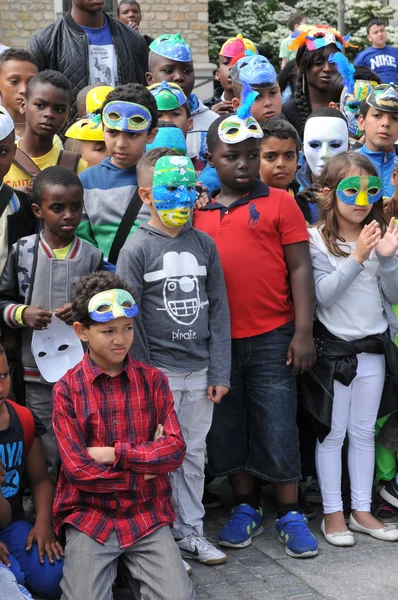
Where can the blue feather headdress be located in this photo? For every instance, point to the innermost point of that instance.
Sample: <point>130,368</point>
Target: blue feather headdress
<point>345,68</point>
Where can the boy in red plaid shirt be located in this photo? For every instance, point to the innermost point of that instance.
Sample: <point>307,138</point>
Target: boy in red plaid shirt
<point>119,438</point>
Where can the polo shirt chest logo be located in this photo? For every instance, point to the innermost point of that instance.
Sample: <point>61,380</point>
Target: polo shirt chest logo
<point>254,215</point>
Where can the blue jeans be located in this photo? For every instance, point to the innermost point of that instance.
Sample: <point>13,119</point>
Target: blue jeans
<point>42,580</point>
<point>254,427</point>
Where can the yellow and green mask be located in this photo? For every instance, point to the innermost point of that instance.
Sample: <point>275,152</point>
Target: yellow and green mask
<point>360,190</point>
<point>173,189</point>
<point>111,304</point>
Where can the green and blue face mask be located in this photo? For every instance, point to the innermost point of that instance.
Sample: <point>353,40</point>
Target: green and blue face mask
<point>173,189</point>
<point>360,190</point>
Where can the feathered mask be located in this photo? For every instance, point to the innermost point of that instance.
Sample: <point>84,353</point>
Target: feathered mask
<point>242,126</point>
<point>318,36</point>
<point>345,68</point>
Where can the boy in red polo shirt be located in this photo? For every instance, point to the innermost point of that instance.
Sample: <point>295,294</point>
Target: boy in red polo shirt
<point>119,438</point>
<point>262,241</point>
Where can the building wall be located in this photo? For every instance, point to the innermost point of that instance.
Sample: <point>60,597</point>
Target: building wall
<point>18,21</point>
<point>187,17</point>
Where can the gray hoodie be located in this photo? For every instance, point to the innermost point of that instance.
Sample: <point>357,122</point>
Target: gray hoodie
<point>184,320</point>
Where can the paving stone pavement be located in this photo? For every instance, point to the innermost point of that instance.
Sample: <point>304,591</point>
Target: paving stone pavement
<point>263,571</point>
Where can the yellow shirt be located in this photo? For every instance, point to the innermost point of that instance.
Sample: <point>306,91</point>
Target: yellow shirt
<point>60,254</point>
<point>16,177</point>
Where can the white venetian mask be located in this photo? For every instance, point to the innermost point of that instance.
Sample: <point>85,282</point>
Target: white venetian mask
<point>324,137</point>
<point>56,349</point>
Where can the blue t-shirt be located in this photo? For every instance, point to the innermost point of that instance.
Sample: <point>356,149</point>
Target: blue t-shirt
<point>102,55</point>
<point>383,61</point>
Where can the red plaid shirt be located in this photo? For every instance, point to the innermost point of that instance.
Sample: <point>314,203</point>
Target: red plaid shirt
<point>93,409</point>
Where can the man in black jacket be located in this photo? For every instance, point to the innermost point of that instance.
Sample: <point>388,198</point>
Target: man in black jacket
<point>88,46</point>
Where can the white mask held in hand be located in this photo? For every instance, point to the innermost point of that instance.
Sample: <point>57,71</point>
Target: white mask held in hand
<point>56,349</point>
<point>324,137</point>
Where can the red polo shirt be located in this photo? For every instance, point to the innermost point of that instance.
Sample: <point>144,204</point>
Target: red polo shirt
<point>250,235</point>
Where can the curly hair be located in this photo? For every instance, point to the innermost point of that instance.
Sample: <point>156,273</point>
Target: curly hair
<point>335,170</point>
<point>90,285</point>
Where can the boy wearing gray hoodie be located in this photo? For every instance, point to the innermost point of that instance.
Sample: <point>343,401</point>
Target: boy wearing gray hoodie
<point>184,326</point>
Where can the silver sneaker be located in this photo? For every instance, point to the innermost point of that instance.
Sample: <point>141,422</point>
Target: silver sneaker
<point>195,547</point>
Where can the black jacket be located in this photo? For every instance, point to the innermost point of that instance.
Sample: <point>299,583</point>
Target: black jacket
<point>337,359</point>
<point>63,46</point>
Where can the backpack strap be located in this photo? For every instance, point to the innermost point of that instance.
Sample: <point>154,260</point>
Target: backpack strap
<point>69,160</point>
<point>6,193</point>
<point>27,422</point>
<point>24,162</point>
<point>125,227</point>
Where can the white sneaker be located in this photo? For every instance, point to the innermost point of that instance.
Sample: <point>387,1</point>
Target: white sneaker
<point>188,567</point>
<point>198,548</point>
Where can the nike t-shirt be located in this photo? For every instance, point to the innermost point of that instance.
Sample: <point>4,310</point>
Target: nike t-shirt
<point>102,55</point>
<point>383,61</point>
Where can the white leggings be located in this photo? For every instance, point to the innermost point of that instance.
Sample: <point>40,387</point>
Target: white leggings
<point>355,411</point>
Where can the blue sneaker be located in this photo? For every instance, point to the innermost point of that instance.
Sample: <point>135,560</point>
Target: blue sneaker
<point>293,531</point>
<point>245,523</point>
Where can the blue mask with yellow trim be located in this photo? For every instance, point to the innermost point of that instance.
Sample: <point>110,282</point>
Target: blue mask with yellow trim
<point>126,116</point>
<point>111,304</point>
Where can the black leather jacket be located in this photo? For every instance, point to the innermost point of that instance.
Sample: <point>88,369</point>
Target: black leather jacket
<point>63,46</point>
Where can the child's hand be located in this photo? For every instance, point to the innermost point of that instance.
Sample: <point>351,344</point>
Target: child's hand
<point>36,317</point>
<point>223,108</point>
<point>4,552</point>
<point>43,535</point>
<point>368,239</point>
<point>102,454</point>
<point>388,245</point>
<point>309,194</point>
<point>301,353</point>
<point>157,435</point>
<point>2,474</point>
<point>203,199</point>
<point>216,392</point>
<point>65,313</point>
<point>158,432</point>
<point>390,207</point>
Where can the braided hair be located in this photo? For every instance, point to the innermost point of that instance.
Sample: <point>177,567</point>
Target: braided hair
<point>305,60</point>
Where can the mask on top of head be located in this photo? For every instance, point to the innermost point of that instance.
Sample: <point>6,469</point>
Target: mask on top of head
<point>350,103</point>
<point>111,304</point>
<point>318,36</point>
<point>6,123</point>
<point>96,97</point>
<point>360,190</point>
<point>169,137</point>
<point>384,97</point>
<point>172,46</point>
<point>126,116</point>
<point>168,96</point>
<point>173,190</point>
<point>241,126</point>
<point>86,130</point>
<point>254,70</point>
<point>324,137</point>
<point>237,45</point>
<point>56,349</point>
